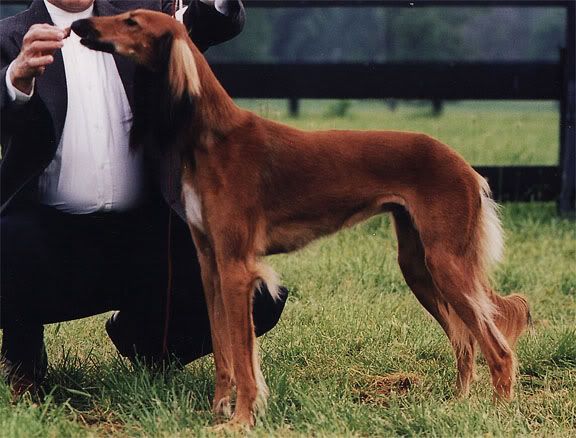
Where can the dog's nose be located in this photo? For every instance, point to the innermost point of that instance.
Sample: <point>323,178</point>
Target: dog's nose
<point>84,29</point>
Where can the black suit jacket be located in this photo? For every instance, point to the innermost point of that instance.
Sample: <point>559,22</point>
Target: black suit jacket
<point>30,133</point>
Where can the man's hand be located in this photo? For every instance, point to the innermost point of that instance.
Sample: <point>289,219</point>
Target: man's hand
<point>37,52</point>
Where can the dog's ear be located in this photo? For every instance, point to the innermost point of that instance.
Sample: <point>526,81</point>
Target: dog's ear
<point>183,75</point>
<point>163,46</point>
<point>164,98</point>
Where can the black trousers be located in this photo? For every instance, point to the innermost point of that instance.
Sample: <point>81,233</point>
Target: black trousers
<point>58,267</point>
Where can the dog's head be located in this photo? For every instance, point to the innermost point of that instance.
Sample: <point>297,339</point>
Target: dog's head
<point>151,39</point>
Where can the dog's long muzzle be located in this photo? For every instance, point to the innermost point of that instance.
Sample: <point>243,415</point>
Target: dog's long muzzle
<point>90,37</point>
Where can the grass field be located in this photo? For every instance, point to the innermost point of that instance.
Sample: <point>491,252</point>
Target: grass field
<point>354,353</point>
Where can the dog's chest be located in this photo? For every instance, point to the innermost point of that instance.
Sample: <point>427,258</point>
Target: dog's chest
<point>192,205</point>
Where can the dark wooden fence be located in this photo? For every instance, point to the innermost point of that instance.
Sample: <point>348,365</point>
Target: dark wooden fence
<point>436,81</point>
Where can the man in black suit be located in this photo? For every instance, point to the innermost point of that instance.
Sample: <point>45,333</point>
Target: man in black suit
<point>87,224</point>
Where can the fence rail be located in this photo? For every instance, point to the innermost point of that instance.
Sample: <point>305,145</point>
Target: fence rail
<point>432,80</point>
<point>402,3</point>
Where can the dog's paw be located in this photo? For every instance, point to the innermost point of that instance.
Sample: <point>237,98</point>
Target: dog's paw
<point>222,408</point>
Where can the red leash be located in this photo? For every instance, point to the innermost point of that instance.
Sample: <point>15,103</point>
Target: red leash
<point>168,306</point>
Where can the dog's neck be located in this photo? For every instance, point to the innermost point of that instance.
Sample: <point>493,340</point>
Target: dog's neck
<point>214,108</point>
<point>204,110</point>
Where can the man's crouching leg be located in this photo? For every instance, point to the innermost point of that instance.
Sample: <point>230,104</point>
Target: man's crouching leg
<point>188,335</point>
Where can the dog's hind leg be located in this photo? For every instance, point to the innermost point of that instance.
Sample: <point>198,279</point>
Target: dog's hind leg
<point>472,305</point>
<point>412,263</point>
<point>219,330</point>
<point>454,260</point>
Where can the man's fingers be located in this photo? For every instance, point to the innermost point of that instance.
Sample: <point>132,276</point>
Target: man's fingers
<point>45,46</point>
<point>46,33</point>
<point>41,61</point>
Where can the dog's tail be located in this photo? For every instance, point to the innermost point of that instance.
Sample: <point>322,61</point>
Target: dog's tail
<point>265,275</point>
<point>486,250</point>
<point>513,316</point>
<point>512,313</point>
<point>489,231</point>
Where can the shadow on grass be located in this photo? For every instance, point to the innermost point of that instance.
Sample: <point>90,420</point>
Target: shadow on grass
<point>117,395</point>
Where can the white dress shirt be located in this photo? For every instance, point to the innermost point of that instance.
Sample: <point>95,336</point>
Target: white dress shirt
<point>93,168</point>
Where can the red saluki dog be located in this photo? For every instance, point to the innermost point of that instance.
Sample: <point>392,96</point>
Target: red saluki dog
<point>253,187</point>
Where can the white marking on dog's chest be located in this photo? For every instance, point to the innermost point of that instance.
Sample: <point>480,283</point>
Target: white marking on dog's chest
<point>192,205</point>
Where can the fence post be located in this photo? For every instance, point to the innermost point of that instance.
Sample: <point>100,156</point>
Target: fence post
<point>567,164</point>
<point>294,107</point>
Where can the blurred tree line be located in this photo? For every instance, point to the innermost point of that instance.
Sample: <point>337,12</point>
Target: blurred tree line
<point>396,34</point>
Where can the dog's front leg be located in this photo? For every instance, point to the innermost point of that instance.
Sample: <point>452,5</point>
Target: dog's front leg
<point>219,331</point>
<point>237,283</point>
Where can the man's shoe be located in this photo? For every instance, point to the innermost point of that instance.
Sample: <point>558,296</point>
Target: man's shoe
<point>121,340</point>
<point>22,382</point>
<point>21,386</point>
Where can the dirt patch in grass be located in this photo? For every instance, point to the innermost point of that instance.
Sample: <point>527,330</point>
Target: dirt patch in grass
<point>103,421</point>
<point>376,390</point>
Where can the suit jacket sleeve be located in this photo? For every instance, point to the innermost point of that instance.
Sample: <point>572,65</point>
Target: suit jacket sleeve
<point>4,98</point>
<point>207,26</point>
<point>12,114</point>
<point>6,57</point>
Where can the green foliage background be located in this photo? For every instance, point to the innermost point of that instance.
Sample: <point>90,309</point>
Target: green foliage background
<point>396,34</point>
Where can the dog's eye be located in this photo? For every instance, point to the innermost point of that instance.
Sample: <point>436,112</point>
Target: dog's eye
<point>130,22</point>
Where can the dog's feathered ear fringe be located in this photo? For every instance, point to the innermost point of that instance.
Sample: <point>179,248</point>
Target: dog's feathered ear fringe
<point>182,71</point>
<point>164,99</point>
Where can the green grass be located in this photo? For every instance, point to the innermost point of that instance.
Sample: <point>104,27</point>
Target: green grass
<point>354,353</point>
